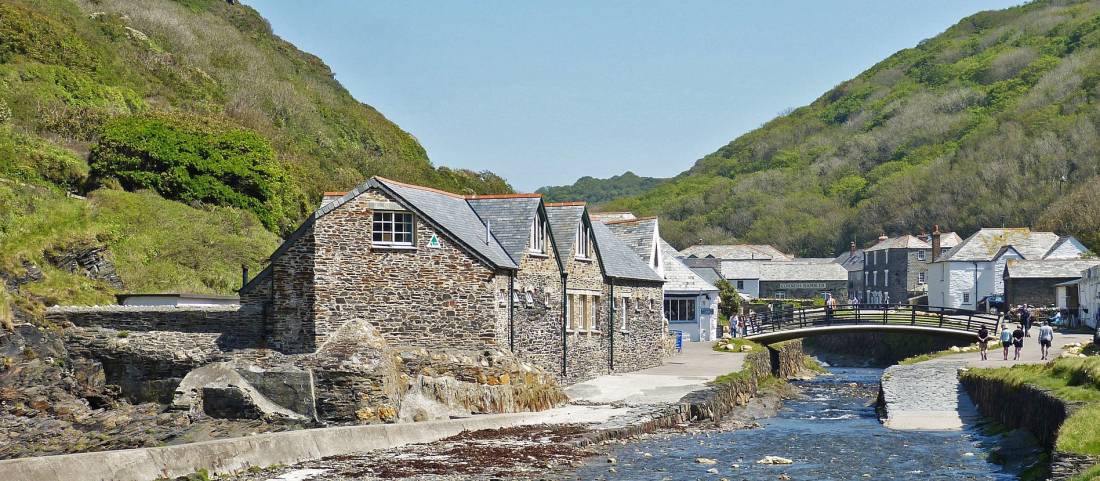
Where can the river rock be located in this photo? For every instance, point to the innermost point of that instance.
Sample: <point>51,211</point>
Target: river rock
<point>774,460</point>
<point>705,461</point>
<point>713,470</point>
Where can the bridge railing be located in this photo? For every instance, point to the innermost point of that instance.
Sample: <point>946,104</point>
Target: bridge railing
<point>791,318</point>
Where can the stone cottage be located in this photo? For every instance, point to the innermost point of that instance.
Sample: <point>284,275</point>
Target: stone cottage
<point>434,269</point>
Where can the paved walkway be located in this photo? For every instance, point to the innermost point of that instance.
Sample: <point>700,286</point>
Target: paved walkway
<point>927,395</point>
<point>681,374</point>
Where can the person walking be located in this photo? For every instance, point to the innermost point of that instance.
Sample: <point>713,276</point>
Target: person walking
<point>1018,341</point>
<point>830,307</point>
<point>983,342</point>
<point>1025,320</point>
<point>1046,338</point>
<point>1006,339</point>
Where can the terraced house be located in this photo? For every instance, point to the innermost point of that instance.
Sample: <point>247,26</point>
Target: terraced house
<point>435,269</point>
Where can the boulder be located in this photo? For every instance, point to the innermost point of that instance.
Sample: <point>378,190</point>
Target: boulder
<point>774,460</point>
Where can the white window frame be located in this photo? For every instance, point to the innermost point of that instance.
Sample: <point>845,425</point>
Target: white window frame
<point>624,314</point>
<point>921,255</point>
<point>379,223</point>
<point>886,278</point>
<point>922,278</point>
<point>780,294</point>
<point>874,278</point>
<point>966,298</point>
<point>537,238</point>
<point>582,241</point>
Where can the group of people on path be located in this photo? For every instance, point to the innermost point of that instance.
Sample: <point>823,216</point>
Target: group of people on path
<point>1015,339</point>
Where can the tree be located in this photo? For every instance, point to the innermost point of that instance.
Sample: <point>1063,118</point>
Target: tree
<point>731,300</point>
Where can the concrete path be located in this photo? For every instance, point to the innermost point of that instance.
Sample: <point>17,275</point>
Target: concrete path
<point>927,396</point>
<point>681,374</point>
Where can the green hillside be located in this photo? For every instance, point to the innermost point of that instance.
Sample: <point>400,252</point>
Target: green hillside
<point>591,189</point>
<point>176,139</point>
<point>992,122</point>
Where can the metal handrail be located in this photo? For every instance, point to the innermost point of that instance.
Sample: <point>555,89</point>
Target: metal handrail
<point>897,314</point>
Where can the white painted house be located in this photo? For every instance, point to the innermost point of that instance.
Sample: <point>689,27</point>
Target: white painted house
<point>1088,291</point>
<point>690,302</point>
<point>972,270</point>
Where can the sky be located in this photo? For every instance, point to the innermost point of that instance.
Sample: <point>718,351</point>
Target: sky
<point>545,92</point>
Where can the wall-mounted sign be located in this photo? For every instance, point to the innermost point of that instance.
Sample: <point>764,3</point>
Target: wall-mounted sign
<point>706,311</point>
<point>434,243</point>
<point>802,285</point>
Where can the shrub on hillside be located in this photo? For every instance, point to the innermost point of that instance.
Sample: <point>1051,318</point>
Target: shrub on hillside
<point>197,159</point>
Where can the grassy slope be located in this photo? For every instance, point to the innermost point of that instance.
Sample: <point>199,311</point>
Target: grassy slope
<point>69,66</point>
<point>974,127</point>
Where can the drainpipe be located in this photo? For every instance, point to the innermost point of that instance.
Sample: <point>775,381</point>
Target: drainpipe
<point>512,312</point>
<point>611,330</point>
<point>564,320</point>
<point>975,299</point>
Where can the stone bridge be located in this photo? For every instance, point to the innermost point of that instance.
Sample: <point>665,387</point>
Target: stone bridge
<point>794,323</point>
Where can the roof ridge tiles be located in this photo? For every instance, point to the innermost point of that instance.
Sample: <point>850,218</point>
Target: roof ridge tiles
<point>420,187</point>
<point>567,204</point>
<point>502,196</point>
<point>627,221</point>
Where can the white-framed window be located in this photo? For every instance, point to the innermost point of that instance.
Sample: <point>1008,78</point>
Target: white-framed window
<point>529,298</point>
<point>537,241</point>
<point>780,294</point>
<point>679,309</point>
<point>921,255</point>
<point>966,298</point>
<point>624,314</point>
<point>582,241</point>
<point>886,278</point>
<point>740,285</point>
<point>922,278</point>
<point>392,228</point>
<point>581,312</point>
<point>502,298</point>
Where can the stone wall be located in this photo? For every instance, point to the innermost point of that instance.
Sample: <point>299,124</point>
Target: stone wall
<point>640,343</point>
<point>1030,408</point>
<point>836,288</point>
<point>587,351</point>
<point>537,311</point>
<point>415,296</point>
<point>1038,292</point>
<point>235,328</point>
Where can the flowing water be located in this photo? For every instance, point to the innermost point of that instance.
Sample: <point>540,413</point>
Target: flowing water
<point>833,433</point>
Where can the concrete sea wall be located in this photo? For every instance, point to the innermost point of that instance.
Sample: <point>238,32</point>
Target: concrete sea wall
<point>1032,409</point>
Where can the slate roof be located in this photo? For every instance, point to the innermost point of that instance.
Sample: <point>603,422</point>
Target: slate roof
<point>903,242</point>
<point>1049,268</point>
<point>618,259</point>
<point>638,234</point>
<point>802,271</point>
<point>708,274</point>
<point>741,269</point>
<point>509,220</point>
<point>679,277</point>
<point>450,212</point>
<point>987,244</point>
<point>563,220</point>
<point>850,261</point>
<point>737,252</point>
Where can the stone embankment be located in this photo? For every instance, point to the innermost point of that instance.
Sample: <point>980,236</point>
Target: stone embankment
<point>1033,409</point>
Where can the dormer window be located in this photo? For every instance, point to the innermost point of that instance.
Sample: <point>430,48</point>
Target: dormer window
<point>583,245</point>
<point>392,229</point>
<point>537,242</point>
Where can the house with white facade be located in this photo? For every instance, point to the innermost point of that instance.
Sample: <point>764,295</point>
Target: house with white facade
<point>1088,293</point>
<point>690,302</point>
<point>964,275</point>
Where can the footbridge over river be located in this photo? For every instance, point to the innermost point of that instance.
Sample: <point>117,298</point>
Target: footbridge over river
<point>795,323</point>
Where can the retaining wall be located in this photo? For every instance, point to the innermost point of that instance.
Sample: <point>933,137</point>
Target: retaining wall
<point>237,327</point>
<point>1030,408</point>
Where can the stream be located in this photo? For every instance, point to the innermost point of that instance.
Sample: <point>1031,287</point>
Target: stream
<point>832,432</point>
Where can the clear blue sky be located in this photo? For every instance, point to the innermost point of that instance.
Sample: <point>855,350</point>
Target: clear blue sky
<point>544,92</point>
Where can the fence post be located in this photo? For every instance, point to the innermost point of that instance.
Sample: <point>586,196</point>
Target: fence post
<point>885,311</point>
<point>912,315</point>
<point>968,318</point>
<point>941,318</point>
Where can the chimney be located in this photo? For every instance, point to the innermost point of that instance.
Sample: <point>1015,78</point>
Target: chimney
<point>244,275</point>
<point>936,247</point>
<point>852,249</point>
<point>883,237</point>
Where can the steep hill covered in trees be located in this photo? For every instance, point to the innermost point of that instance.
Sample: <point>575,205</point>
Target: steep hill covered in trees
<point>591,189</point>
<point>992,122</point>
<point>157,145</point>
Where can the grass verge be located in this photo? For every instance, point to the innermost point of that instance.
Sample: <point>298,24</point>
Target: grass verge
<point>736,345</point>
<point>938,354</point>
